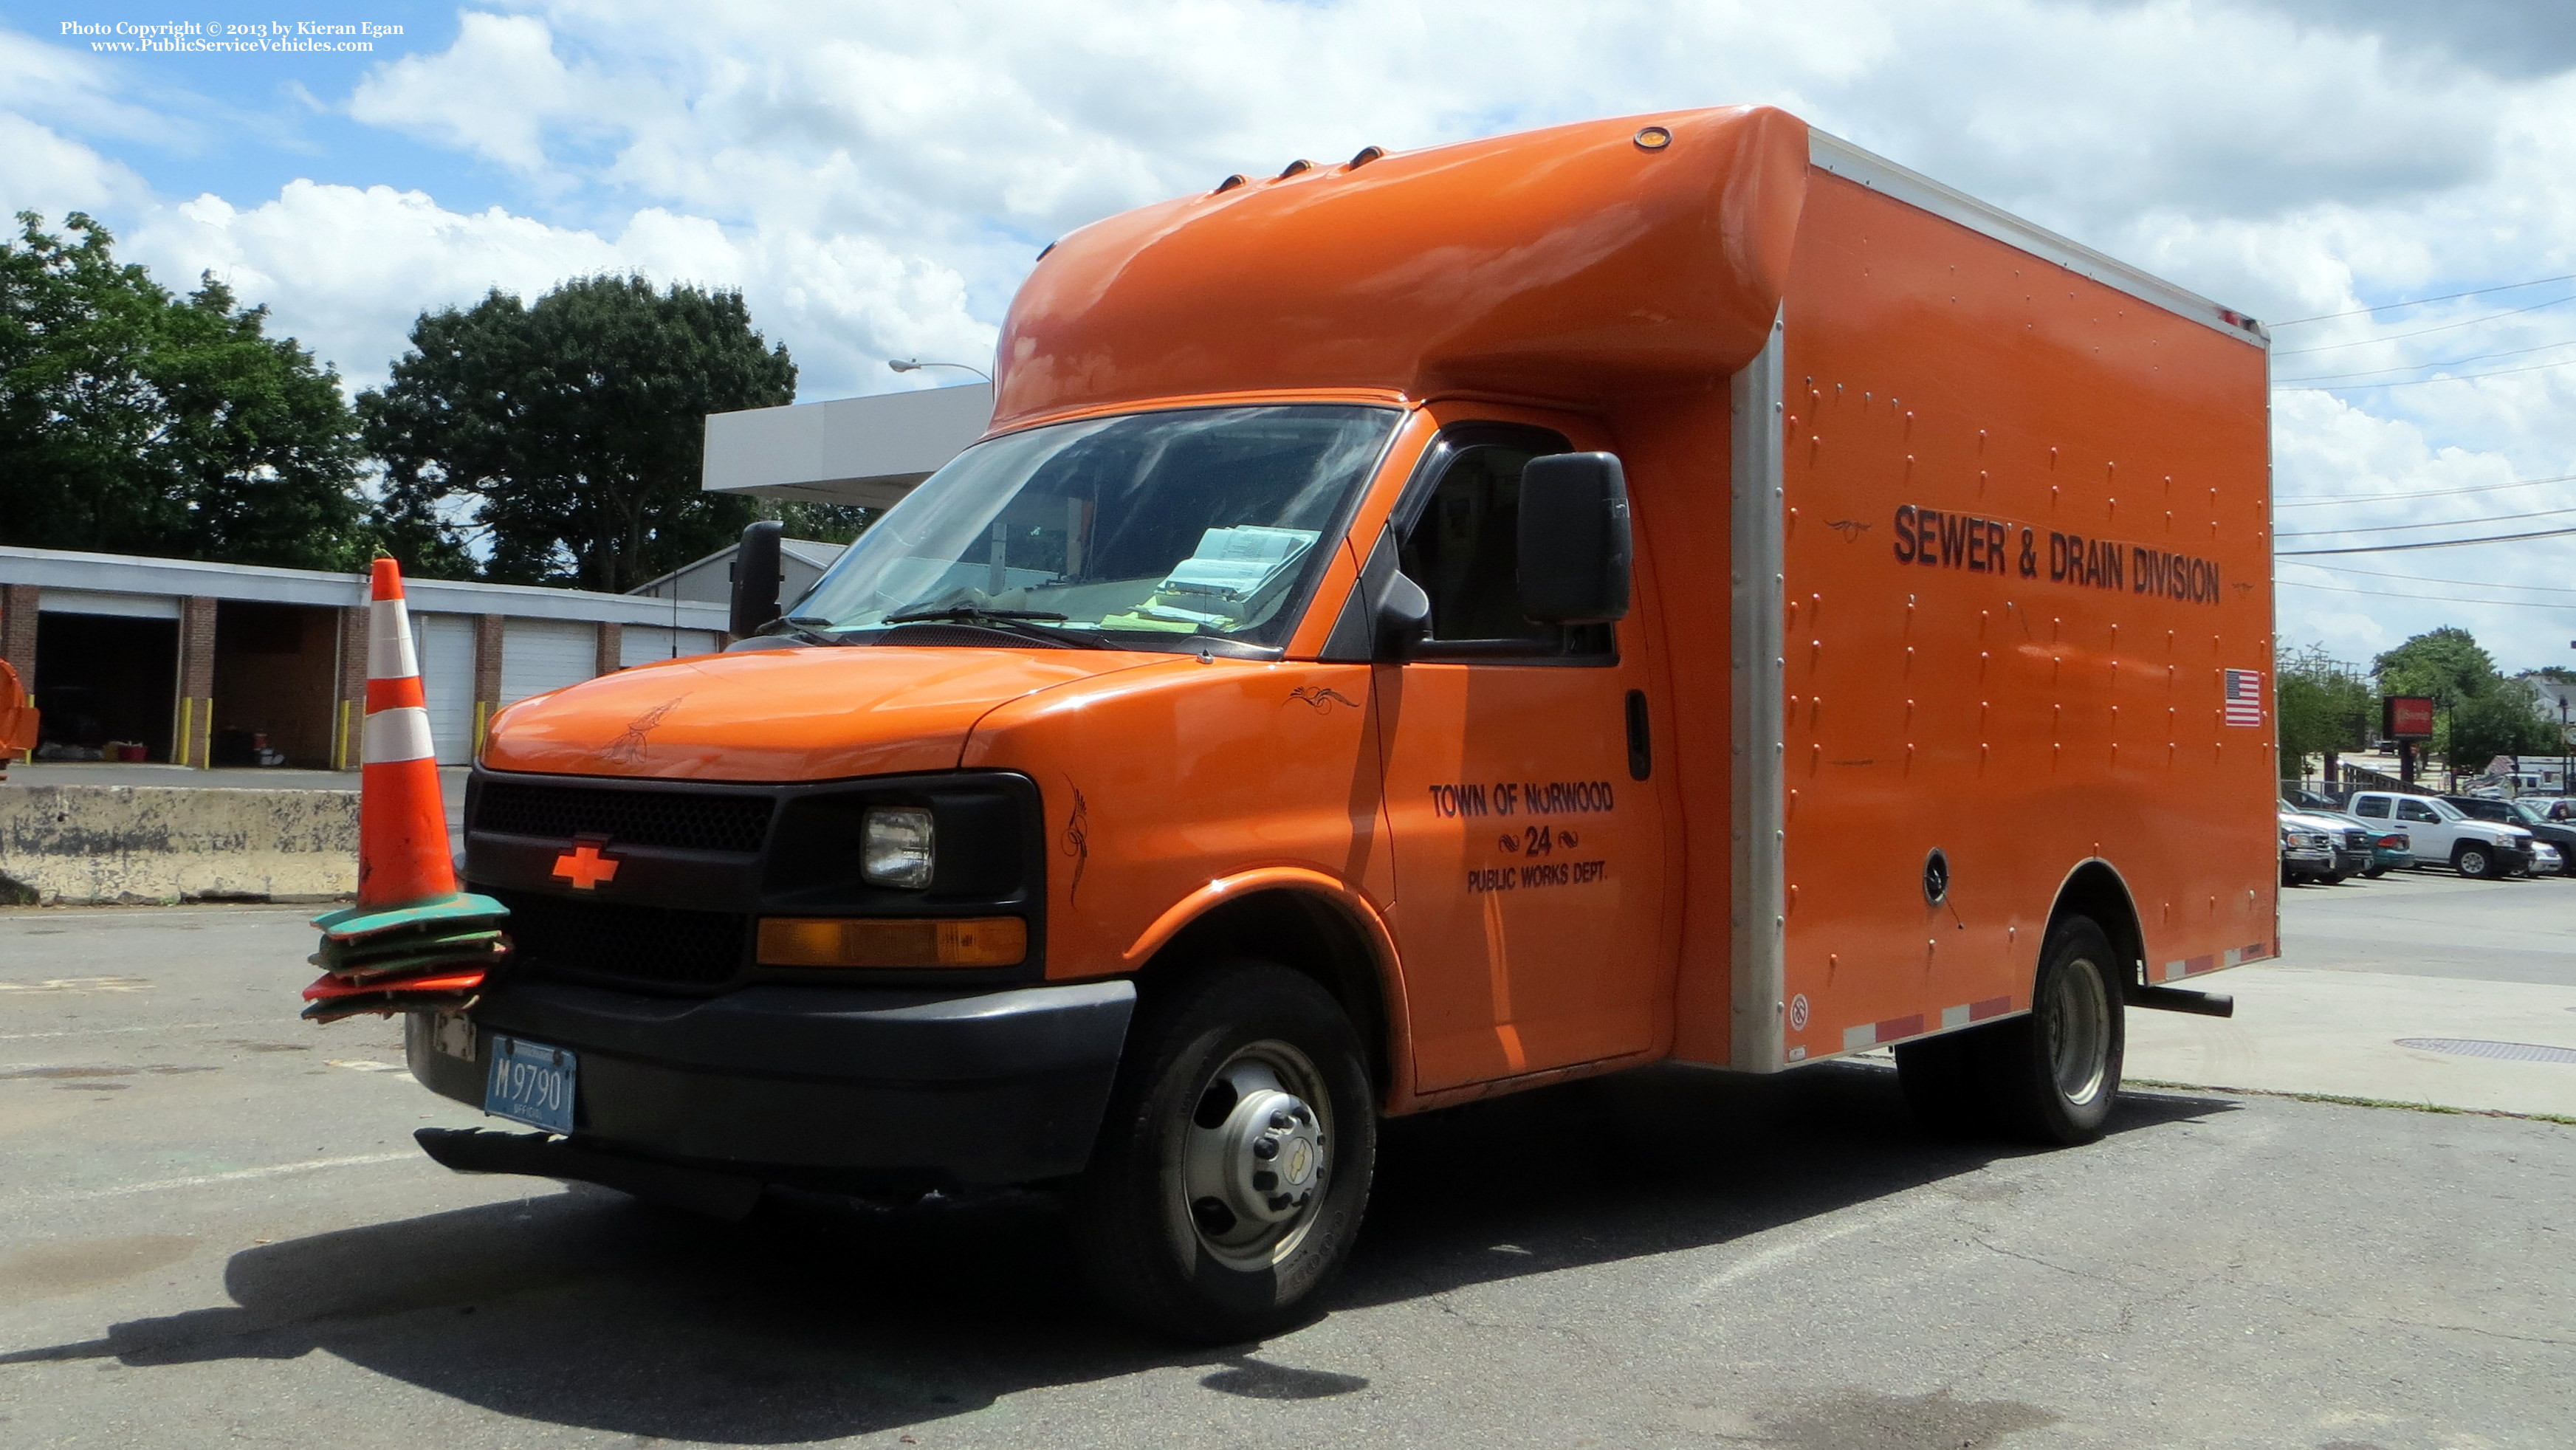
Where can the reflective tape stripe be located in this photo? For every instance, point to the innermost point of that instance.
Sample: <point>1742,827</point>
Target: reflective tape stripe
<point>389,646</point>
<point>396,735</point>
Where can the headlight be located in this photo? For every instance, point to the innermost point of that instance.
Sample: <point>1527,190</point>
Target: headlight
<point>895,847</point>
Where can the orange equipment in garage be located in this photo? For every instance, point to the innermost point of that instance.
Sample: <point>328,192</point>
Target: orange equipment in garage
<point>17,718</point>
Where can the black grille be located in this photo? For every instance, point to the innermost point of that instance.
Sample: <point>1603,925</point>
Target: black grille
<point>651,945</point>
<point>681,820</point>
<point>2357,840</point>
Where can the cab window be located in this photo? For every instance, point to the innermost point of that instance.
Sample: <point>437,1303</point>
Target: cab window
<point>2415,811</point>
<point>2372,806</point>
<point>1463,548</point>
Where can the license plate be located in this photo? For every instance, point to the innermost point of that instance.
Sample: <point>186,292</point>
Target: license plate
<point>531,1083</point>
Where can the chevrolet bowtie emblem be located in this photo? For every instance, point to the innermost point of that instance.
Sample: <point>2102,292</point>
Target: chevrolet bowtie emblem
<point>585,865</point>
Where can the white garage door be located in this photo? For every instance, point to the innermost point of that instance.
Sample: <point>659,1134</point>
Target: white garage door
<point>538,655</point>
<point>642,644</point>
<point>446,645</point>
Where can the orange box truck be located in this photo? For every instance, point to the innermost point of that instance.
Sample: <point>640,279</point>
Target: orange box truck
<point>1674,588</point>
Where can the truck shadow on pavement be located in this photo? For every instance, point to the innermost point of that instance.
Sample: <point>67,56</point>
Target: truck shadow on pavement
<point>817,1318</point>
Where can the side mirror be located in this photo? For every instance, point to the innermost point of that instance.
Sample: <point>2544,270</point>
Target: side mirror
<point>756,578</point>
<point>1574,544</point>
<point>1403,616</point>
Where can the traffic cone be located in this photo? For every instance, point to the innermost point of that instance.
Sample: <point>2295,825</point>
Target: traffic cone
<point>413,939</point>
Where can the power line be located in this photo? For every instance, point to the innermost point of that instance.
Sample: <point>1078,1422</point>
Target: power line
<point>2314,500</point>
<point>2438,598</point>
<point>2437,327</point>
<point>2419,367</point>
<point>2428,524</point>
<point>2425,579</point>
<point>2420,301</point>
<point>2427,544</point>
<point>2419,382</point>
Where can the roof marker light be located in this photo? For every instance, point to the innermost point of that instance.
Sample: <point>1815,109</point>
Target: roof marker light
<point>1230,183</point>
<point>1294,167</point>
<point>1654,138</point>
<point>1366,155</point>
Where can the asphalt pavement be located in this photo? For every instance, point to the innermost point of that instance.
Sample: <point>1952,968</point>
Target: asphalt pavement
<point>214,1229</point>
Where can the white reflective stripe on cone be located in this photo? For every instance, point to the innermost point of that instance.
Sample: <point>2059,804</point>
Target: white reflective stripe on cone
<point>394,735</point>
<point>389,647</point>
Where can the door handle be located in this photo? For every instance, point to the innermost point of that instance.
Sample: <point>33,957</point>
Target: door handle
<point>1641,745</point>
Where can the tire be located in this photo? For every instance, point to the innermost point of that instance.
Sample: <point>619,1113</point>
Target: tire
<point>2474,861</point>
<point>2335,878</point>
<point>2373,873</point>
<point>2055,1073</point>
<point>1174,1220</point>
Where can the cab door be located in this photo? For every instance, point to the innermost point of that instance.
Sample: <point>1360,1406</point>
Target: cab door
<point>1527,839</point>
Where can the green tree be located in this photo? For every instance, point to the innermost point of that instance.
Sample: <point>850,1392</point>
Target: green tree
<point>2323,708</point>
<point>133,421</point>
<point>830,523</point>
<point>2479,714</point>
<point>2503,720</point>
<point>569,431</point>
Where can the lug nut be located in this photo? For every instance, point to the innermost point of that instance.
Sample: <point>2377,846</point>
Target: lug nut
<point>1282,1121</point>
<point>1265,1180</point>
<point>1265,1148</point>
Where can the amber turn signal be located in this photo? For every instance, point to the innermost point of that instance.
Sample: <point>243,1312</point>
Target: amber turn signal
<point>977,941</point>
<point>1654,138</point>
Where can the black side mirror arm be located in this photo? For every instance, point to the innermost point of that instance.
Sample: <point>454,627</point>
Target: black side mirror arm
<point>1403,618</point>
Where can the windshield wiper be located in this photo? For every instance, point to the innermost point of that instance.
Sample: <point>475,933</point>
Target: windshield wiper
<point>1023,621</point>
<point>802,627</point>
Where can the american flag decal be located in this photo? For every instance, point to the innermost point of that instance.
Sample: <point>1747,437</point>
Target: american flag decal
<point>2244,697</point>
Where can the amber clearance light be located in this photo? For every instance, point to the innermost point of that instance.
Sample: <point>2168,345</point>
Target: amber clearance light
<point>975,941</point>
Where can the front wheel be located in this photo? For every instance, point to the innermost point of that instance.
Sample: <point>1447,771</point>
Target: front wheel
<point>2474,861</point>
<point>2373,873</point>
<point>1234,1163</point>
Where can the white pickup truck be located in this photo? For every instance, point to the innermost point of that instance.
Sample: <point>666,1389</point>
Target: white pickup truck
<point>2443,832</point>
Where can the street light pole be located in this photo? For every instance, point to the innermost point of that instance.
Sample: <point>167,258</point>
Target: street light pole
<point>911,364</point>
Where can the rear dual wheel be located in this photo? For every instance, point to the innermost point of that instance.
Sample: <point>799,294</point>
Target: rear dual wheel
<point>2051,1075</point>
<point>1235,1160</point>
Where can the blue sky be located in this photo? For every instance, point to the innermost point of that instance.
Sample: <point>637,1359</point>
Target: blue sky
<point>876,176</point>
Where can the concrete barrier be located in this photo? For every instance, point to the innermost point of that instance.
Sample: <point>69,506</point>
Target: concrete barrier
<point>137,844</point>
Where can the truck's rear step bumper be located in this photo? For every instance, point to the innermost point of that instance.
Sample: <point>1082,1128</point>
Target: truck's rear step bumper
<point>868,1086</point>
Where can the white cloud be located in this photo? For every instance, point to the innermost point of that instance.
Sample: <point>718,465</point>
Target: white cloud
<point>496,92</point>
<point>347,270</point>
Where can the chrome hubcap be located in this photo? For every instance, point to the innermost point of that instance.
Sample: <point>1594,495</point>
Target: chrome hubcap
<point>1254,1160</point>
<point>2076,1019</point>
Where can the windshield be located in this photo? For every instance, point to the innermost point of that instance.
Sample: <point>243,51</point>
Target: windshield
<point>2445,809</point>
<point>1146,531</point>
<point>2528,814</point>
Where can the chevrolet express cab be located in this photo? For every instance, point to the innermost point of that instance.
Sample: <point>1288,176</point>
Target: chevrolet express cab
<point>1675,588</point>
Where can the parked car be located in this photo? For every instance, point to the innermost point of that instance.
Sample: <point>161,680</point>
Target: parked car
<point>2299,799</point>
<point>2350,839</point>
<point>2547,860</point>
<point>2307,850</point>
<point>2528,814</point>
<point>2443,832</point>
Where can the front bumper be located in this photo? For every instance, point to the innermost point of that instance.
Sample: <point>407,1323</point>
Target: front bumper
<point>854,1087</point>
